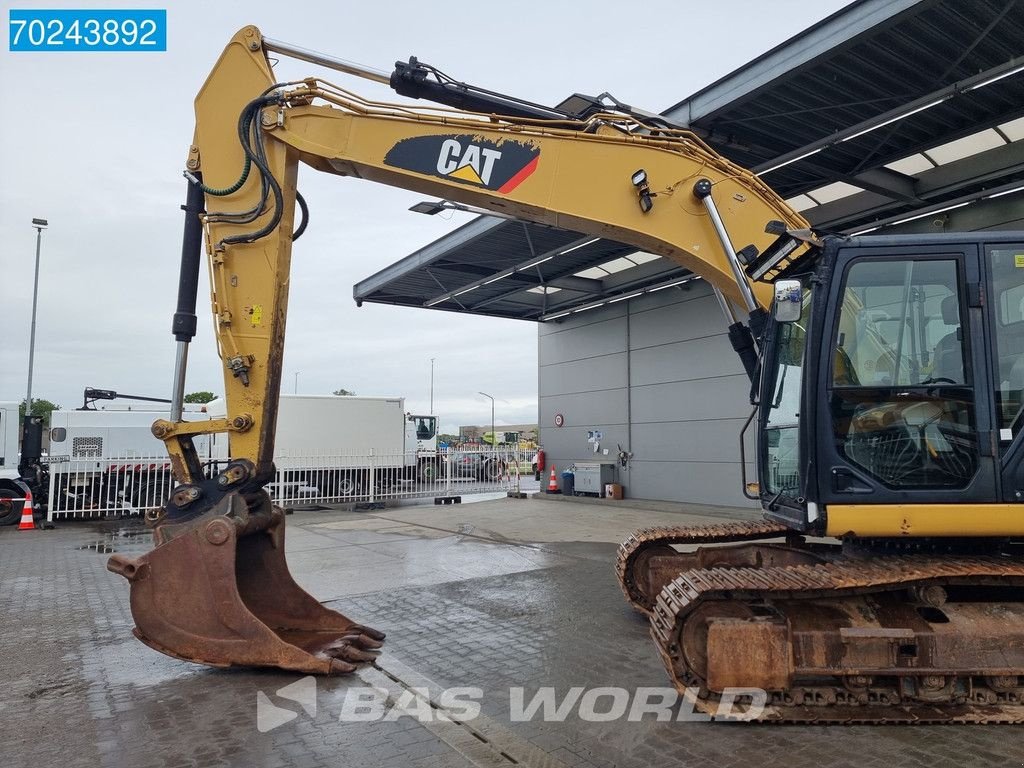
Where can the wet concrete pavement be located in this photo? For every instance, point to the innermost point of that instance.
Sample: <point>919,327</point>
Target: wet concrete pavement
<point>498,596</point>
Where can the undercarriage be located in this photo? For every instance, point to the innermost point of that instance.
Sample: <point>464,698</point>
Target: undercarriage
<point>829,632</point>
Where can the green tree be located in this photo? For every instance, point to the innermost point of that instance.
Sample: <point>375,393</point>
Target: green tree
<point>342,392</point>
<point>199,397</point>
<point>40,407</point>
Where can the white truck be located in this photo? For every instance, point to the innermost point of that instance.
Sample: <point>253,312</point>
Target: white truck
<point>12,486</point>
<point>344,446</point>
<point>109,457</point>
<point>113,433</point>
<point>96,457</point>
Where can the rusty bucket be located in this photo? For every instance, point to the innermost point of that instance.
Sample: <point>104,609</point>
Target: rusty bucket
<point>216,590</point>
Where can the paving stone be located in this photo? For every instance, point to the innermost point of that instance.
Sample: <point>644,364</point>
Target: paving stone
<point>80,691</point>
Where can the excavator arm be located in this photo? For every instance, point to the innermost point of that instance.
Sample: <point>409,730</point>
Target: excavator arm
<point>612,174</point>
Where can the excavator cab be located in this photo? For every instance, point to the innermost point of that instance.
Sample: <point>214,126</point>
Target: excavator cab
<point>895,386</point>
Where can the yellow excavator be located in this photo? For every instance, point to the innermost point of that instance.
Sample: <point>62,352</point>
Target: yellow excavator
<point>885,581</point>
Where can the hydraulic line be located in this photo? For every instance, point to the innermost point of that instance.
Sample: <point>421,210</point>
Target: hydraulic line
<point>264,169</point>
<point>245,121</point>
<point>254,152</point>
<point>305,216</point>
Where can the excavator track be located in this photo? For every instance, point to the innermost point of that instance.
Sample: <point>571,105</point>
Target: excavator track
<point>865,640</point>
<point>641,544</point>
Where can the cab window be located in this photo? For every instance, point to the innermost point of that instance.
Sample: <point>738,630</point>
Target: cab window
<point>426,426</point>
<point>1006,266</point>
<point>780,472</point>
<point>902,400</point>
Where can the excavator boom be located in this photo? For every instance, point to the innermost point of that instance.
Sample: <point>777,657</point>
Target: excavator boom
<point>538,170</point>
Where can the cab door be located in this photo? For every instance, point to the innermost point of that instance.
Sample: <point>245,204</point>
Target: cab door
<point>904,414</point>
<point>1004,265</point>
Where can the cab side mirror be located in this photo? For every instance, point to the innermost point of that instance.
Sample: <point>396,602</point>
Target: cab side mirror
<point>788,300</point>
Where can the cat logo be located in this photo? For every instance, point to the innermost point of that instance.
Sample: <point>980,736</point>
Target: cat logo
<point>467,159</point>
<point>473,164</point>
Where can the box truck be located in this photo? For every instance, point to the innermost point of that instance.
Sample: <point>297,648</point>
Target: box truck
<point>344,446</point>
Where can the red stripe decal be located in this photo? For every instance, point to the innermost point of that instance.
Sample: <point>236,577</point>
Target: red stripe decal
<point>518,179</point>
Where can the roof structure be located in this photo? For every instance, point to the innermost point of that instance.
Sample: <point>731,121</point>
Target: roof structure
<point>886,112</point>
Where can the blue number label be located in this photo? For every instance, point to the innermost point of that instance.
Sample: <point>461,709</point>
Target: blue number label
<point>101,30</point>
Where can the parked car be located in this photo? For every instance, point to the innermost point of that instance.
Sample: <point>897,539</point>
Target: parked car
<point>476,464</point>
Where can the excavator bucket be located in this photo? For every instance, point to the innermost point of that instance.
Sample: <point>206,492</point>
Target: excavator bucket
<point>216,590</point>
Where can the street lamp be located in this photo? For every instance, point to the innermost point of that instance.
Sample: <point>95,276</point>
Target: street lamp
<point>297,382</point>
<point>431,386</point>
<point>493,439</point>
<point>434,207</point>
<point>40,225</point>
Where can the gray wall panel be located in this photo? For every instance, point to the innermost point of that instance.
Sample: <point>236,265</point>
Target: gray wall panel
<point>593,373</point>
<point>583,376</point>
<point>721,397</point>
<point>683,361</point>
<point>586,408</point>
<point>698,441</point>
<point>692,318</point>
<point>701,483</point>
<point>592,340</point>
<point>598,315</point>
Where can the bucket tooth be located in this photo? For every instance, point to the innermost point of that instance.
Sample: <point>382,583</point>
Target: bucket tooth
<point>217,591</point>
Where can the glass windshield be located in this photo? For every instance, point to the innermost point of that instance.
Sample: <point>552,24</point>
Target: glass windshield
<point>902,403</point>
<point>900,325</point>
<point>781,414</point>
<point>426,426</point>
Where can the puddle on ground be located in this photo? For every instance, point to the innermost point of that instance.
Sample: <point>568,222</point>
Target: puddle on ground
<point>134,538</point>
<point>129,533</point>
<point>103,547</point>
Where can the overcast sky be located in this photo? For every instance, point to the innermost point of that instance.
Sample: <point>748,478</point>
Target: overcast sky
<point>95,143</point>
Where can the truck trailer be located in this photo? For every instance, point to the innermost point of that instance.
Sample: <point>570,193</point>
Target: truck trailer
<point>104,458</point>
<point>345,446</point>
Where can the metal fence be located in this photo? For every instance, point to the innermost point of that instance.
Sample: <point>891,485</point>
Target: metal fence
<point>127,485</point>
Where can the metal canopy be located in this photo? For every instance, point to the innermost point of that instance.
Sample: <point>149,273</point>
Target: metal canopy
<point>887,111</point>
<point>511,268</point>
<point>869,110</point>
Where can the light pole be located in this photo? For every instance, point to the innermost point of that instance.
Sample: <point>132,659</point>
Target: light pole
<point>493,438</point>
<point>297,382</point>
<point>40,225</point>
<point>431,386</point>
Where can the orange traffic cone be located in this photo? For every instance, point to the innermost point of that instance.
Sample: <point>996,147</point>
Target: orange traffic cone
<point>552,482</point>
<point>28,522</point>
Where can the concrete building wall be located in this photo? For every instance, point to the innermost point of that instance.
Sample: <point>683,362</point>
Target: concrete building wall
<point>657,376</point>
